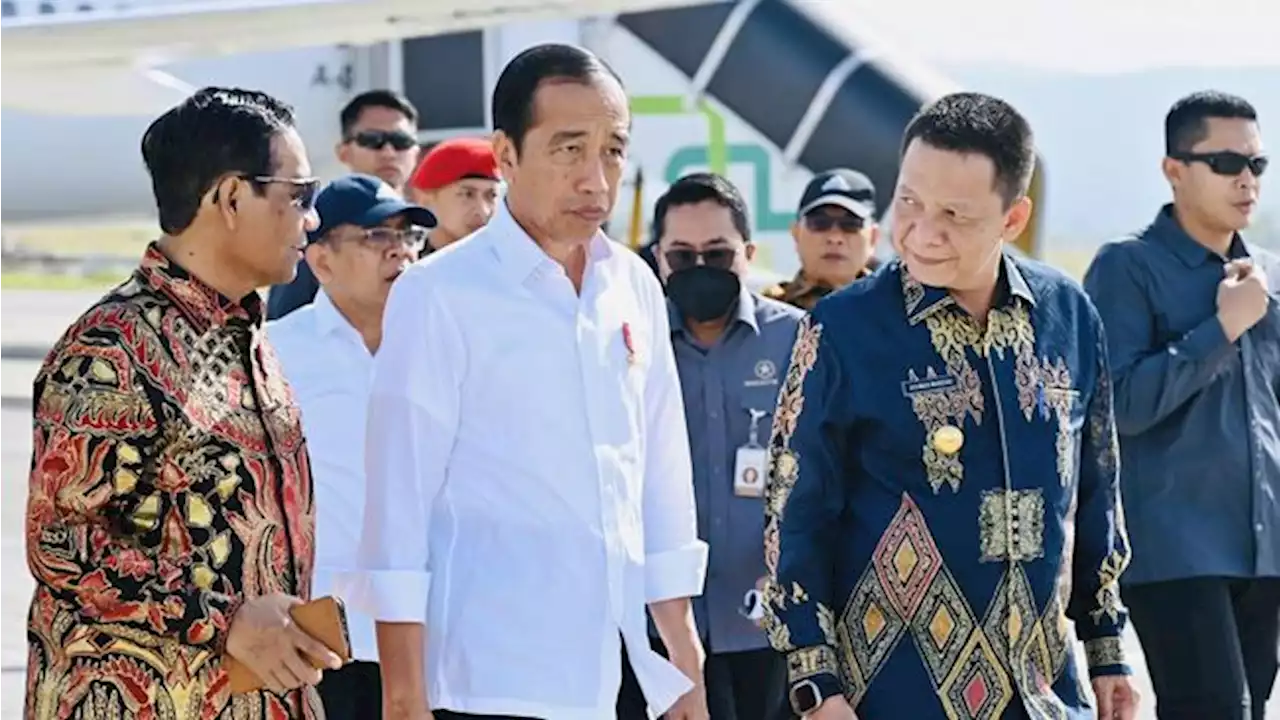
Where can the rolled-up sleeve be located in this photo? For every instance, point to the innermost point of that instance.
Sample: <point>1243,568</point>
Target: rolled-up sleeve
<point>413,417</point>
<point>675,558</point>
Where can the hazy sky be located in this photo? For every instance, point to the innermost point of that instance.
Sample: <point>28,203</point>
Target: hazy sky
<point>1105,36</point>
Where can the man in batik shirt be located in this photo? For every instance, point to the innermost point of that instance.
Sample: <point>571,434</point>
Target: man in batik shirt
<point>169,519</point>
<point>943,489</point>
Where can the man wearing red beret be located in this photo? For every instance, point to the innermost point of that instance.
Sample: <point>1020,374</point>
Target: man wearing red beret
<point>458,181</point>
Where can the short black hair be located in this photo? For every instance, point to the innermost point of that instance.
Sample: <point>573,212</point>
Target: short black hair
<point>699,188</point>
<point>970,122</point>
<point>514,93</point>
<point>214,133</point>
<point>1186,123</point>
<point>389,99</point>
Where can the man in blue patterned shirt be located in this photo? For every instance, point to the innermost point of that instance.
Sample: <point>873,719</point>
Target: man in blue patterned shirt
<point>943,478</point>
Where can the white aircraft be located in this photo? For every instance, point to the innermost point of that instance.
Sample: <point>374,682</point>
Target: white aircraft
<point>766,91</point>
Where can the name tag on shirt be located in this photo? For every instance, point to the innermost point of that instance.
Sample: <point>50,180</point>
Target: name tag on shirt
<point>748,472</point>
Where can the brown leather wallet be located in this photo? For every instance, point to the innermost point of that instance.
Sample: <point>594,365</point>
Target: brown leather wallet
<point>324,619</point>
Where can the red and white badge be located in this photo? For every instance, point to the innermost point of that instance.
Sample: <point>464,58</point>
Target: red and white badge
<point>628,340</point>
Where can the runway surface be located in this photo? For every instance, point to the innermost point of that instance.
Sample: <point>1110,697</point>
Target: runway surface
<point>30,323</point>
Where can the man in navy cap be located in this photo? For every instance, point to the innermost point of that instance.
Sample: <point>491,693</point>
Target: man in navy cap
<point>367,236</point>
<point>835,232</point>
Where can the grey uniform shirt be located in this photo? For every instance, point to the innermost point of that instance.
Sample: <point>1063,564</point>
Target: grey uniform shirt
<point>1197,415</point>
<point>721,386</point>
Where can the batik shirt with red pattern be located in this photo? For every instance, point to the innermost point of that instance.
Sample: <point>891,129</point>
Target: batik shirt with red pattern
<point>169,481</point>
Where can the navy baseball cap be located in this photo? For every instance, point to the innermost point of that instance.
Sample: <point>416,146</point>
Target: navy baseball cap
<point>841,187</point>
<point>364,201</point>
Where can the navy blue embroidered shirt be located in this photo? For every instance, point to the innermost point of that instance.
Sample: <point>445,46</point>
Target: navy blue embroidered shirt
<point>944,497</point>
<point>1198,416</point>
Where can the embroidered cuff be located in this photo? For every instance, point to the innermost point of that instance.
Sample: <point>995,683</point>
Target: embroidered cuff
<point>1106,657</point>
<point>386,595</point>
<point>676,573</point>
<point>817,665</point>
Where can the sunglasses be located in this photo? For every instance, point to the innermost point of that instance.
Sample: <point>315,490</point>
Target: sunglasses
<point>825,223</point>
<point>378,139</point>
<point>682,259</point>
<point>1226,162</point>
<point>303,191</point>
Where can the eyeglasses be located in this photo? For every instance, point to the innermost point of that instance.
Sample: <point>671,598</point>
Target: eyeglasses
<point>378,139</point>
<point>381,238</point>
<point>1226,162</point>
<point>303,193</point>
<point>819,222</point>
<point>683,259</point>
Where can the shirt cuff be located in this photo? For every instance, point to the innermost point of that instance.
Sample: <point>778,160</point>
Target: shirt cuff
<point>1106,657</point>
<point>817,665</point>
<point>386,595</point>
<point>678,573</point>
<point>1205,340</point>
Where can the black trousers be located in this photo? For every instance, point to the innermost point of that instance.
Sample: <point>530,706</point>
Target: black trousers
<point>353,692</point>
<point>750,685</point>
<point>1211,645</point>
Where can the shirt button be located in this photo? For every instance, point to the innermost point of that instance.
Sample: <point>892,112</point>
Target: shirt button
<point>1258,528</point>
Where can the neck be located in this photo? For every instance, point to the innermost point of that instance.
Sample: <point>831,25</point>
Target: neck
<point>977,301</point>
<point>1215,240</point>
<point>198,253</point>
<point>366,321</point>
<point>569,254</point>
<point>439,237</point>
<point>709,332</point>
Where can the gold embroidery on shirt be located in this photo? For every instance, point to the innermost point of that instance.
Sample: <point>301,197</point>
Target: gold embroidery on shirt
<point>1104,651</point>
<point>784,471</point>
<point>1011,525</point>
<point>811,661</point>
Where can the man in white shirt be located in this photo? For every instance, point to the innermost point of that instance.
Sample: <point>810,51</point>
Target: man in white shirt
<point>532,492</point>
<point>367,237</point>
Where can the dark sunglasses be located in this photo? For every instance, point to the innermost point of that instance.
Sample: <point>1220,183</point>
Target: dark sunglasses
<point>378,139</point>
<point>303,191</point>
<point>820,222</point>
<point>1226,162</point>
<point>682,259</point>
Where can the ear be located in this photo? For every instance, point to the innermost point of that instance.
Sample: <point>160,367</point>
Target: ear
<point>873,234</point>
<point>751,251</point>
<point>318,257</point>
<point>226,200</point>
<point>504,148</point>
<point>1017,217</point>
<point>1173,170</point>
<point>795,231</point>
<point>342,150</point>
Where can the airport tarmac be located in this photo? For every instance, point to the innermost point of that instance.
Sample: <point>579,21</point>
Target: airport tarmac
<point>31,321</point>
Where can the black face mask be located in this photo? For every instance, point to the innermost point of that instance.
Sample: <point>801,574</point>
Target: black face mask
<point>704,293</point>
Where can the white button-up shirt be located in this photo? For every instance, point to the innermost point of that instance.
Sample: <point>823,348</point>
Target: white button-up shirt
<point>329,367</point>
<point>529,477</point>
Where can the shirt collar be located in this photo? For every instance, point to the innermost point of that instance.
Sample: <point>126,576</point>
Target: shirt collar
<point>923,300</point>
<point>1168,230</point>
<point>744,312</point>
<point>520,255</point>
<point>204,307</point>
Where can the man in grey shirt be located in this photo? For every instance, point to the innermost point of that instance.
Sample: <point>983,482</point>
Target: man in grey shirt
<point>731,348</point>
<point>1194,339</point>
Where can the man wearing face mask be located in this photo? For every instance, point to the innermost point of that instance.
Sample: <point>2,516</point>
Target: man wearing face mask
<point>730,347</point>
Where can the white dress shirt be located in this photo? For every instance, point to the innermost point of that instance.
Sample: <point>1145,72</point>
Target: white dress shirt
<point>529,477</point>
<point>329,367</point>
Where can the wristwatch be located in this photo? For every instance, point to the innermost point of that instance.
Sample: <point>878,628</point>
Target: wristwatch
<point>806,696</point>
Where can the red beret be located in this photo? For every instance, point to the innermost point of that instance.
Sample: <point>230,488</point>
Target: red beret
<point>454,160</point>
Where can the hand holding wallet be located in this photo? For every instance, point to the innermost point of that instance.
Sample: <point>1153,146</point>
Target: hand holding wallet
<point>324,619</point>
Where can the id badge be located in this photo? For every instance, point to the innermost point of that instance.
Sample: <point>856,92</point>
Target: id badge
<point>748,472</point>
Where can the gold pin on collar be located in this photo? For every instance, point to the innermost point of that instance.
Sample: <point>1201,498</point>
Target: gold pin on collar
<point>948,439</point>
